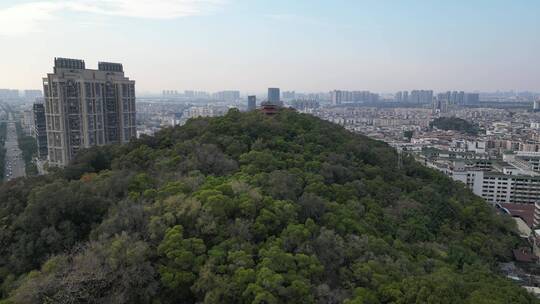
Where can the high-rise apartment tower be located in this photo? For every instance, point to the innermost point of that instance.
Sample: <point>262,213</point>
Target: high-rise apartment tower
<point>40,131</point>
<point>274,96</point>
<point>252,103</point>
<point>85,108</point>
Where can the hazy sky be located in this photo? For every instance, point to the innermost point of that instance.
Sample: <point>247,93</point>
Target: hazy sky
<point>303,45</point>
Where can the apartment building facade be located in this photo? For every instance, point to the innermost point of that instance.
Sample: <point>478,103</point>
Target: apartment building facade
<point>87,107</point>
<point>40,130</point>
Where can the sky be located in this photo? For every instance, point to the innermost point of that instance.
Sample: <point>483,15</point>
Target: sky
<point>302,45</point>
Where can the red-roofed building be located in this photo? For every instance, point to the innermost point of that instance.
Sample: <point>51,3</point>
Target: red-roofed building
<point>269,108</point>
<point>524,255</point>
<point>524,211</point>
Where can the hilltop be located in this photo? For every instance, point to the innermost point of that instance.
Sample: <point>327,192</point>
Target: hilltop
<point>455,124</point>
<point>247,208</point>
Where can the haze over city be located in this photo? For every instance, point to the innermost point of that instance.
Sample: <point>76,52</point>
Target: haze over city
<point>383,46</point>
<point>276,151</point>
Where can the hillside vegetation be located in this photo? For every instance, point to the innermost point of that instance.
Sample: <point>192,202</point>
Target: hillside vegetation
<point>28,146</point>
<point>250,209</point>
<point>3,134</point>
<point>455,124</point>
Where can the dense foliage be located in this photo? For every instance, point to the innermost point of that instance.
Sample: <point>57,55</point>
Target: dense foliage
<point>456,124</point>
<point>250,209</point>
<point>3,134</point>
<point>28,146</point>
<point>408,134</point>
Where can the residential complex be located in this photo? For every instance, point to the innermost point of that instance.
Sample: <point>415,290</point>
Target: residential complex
<point>226,95</point>
<point>40,130</point>
<point>421,97</point>
<point>289,95</point>
<point>338,97</point>
<point>27,122</point>
<point>87,107</point>
<point>252,103</point>
<point>32,94</point>
<point>9,94</point>
<point>274,96</point>
<point>516,179</point>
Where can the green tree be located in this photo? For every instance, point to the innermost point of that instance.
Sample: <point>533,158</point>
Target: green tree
<point>181,260</point>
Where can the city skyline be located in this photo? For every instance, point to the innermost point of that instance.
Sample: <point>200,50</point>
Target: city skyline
<point>308,46</point>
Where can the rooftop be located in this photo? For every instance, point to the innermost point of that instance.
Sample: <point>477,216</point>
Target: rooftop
<point>67,63</point>
<point>523,211</point>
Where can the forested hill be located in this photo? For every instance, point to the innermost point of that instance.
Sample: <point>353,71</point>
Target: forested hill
<point>456,124</point>
<point>250,209</point>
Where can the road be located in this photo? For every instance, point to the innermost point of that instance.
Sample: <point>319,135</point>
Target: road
<point>14,164</point>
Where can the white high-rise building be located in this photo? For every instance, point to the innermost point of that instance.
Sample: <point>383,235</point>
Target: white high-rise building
<point>85,108</point>
<point>339,97</point>
<point>398,97</point>
<point>421,96</point>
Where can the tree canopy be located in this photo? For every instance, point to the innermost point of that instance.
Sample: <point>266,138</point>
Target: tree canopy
<point>248,208</point>
<point>28,146</point>
<point>456,124</point>
<point>3,132</point>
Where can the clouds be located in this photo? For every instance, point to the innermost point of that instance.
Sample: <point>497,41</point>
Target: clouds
<point>156,9</point>
<point>25,18</point>
<point>31,16</point>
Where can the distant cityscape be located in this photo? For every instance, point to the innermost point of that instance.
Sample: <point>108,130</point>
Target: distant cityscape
<point>511,120</point>
<point>85,107</point>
